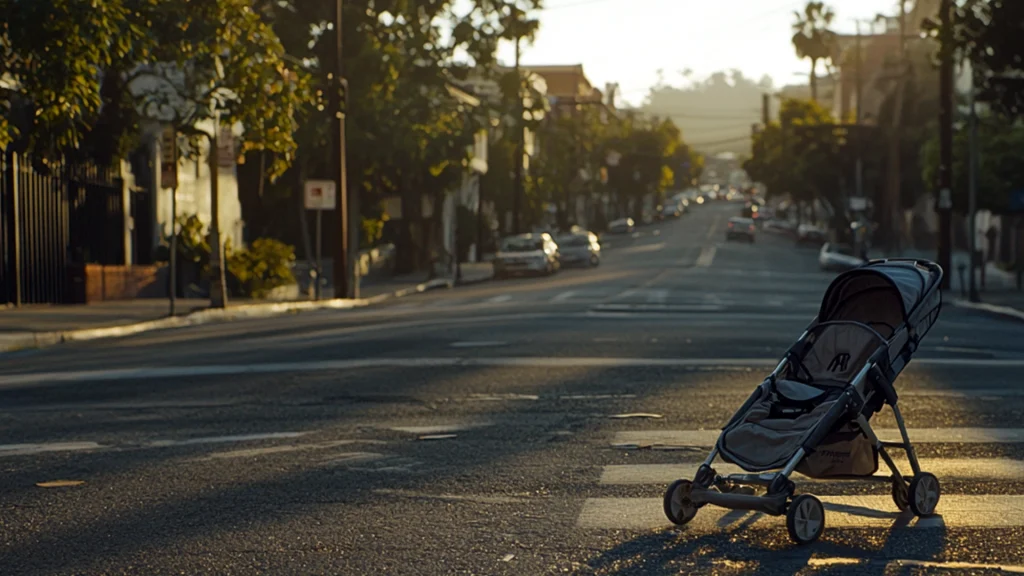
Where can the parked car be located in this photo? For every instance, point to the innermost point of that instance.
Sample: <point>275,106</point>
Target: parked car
<point>670,211</point>
<point>741,229</point>
<point>838,258</point>
<point>622,226</point>
<point>579,249</point>
<point>809,234</point>
<point>527,254</point>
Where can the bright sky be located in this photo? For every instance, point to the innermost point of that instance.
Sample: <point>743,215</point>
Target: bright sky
<point>628,41</point>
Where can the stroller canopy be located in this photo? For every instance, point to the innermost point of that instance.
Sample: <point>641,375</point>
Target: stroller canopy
<point>883,294</point>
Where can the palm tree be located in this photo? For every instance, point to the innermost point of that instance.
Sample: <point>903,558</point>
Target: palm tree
<point>813,39</point>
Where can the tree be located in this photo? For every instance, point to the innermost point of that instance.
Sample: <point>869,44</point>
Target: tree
<point>1000,170</point>
<point>799,156</point>
<point>813,39</point>
<point>987,33</point>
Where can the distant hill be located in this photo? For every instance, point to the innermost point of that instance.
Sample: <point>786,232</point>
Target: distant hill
<point>715,114</point>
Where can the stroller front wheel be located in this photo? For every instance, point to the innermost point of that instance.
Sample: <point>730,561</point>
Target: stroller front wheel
<point>924,494</point>
<point>679,508</point>
<point>805,519</point>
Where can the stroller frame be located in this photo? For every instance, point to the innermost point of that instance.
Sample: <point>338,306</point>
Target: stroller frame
<point>867,392</point>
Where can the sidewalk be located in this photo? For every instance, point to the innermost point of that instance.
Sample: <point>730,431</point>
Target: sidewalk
<point>35,326</point>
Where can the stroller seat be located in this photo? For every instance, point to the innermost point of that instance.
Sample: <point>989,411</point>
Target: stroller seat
<point>767,435</point>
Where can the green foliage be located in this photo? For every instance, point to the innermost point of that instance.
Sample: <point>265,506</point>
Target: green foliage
<point>797,156</point>
<point>1000,170</point>
<point>265,265</point>
<point>988,34</point>
<point>165,60</point>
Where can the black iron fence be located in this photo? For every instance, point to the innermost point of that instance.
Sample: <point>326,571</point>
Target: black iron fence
<point>50,221</point>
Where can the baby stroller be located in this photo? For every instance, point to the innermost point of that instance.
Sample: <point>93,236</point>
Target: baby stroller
<point>811,414</point>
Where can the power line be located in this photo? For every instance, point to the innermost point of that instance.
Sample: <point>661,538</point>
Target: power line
<point>719,142</point>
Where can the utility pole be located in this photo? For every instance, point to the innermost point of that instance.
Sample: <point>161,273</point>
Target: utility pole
<point>517,198</point>
<point>945,203</point>
<point>218,282</point>
<point>13,232</point>
<point>857,111</point>
<point>895,166</point>
<point>343,264</point>
<point>972,198</point>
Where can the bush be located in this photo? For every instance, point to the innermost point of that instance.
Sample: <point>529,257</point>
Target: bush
<point>265,265</point>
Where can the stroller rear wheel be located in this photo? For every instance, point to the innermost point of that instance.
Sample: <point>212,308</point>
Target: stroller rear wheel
<point>900,494</point>
<point>679,508</point>
<point>924,494</point>
<point>805,519</point>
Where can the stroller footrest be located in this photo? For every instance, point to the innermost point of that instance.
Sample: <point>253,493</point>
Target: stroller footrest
<point>772,504</point>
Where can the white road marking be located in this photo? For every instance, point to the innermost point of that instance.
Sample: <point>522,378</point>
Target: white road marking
<point>479,344</point>
<point>658,308</point>
<point>657,296</point>
<point>707,438</point>
<point>472,498</point>
<point>954,511</point>
<point>225,439</point>
<point>437,429</point>
<point>707,256</point>
<point>883,565</point>
<point>149,372</point>
<point>978,470</point>
<point>564,296</point>
<point>26,449</point>
<point>499,299</point>
<point>269,450</point>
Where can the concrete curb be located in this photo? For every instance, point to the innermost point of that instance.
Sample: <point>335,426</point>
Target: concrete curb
<point>15,343</point>
<point>1001,311</point>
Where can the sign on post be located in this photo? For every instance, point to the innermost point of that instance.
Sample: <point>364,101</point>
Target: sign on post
<point>1017,201</point>
<point>169,158</point>
<point>321,195</point>
<point>226,148</point>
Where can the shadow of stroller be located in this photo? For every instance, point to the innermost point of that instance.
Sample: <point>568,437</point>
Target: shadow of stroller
<point>737,549</point>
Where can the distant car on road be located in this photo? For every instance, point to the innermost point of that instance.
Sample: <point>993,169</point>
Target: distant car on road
<point>527,254</point>
<point>622,226</point>
<point>838,258</point>
<point>579,248</point>
<point>670,211</point>
<point>740,229</point>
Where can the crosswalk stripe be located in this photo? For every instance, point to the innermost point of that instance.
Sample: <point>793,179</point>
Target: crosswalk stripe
<point>564,296</point>
<point>704,438</point>
<point>981,469</point>
<point>657,296</point>
<point>707,256</point>
<point>954,511</point>
<point>499,299</point>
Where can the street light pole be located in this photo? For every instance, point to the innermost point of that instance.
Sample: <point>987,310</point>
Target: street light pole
<point>517,193</point>
<point>343,264</point>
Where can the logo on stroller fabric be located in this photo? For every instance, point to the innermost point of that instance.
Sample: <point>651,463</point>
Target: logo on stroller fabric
<point>839,363</point>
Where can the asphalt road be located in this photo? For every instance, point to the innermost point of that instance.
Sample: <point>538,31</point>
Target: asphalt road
<point>473,431</point>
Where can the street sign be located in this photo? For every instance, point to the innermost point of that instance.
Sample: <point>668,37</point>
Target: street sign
<point>321,195</point>
<point>1017,201</point>
<point>169,158</point>
<point>945,199</point>
<point>858,203</point>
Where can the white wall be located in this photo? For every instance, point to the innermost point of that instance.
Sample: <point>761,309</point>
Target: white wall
<point>194,195</point>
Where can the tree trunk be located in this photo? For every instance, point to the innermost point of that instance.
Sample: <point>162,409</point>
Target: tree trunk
<point>814,79</point>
